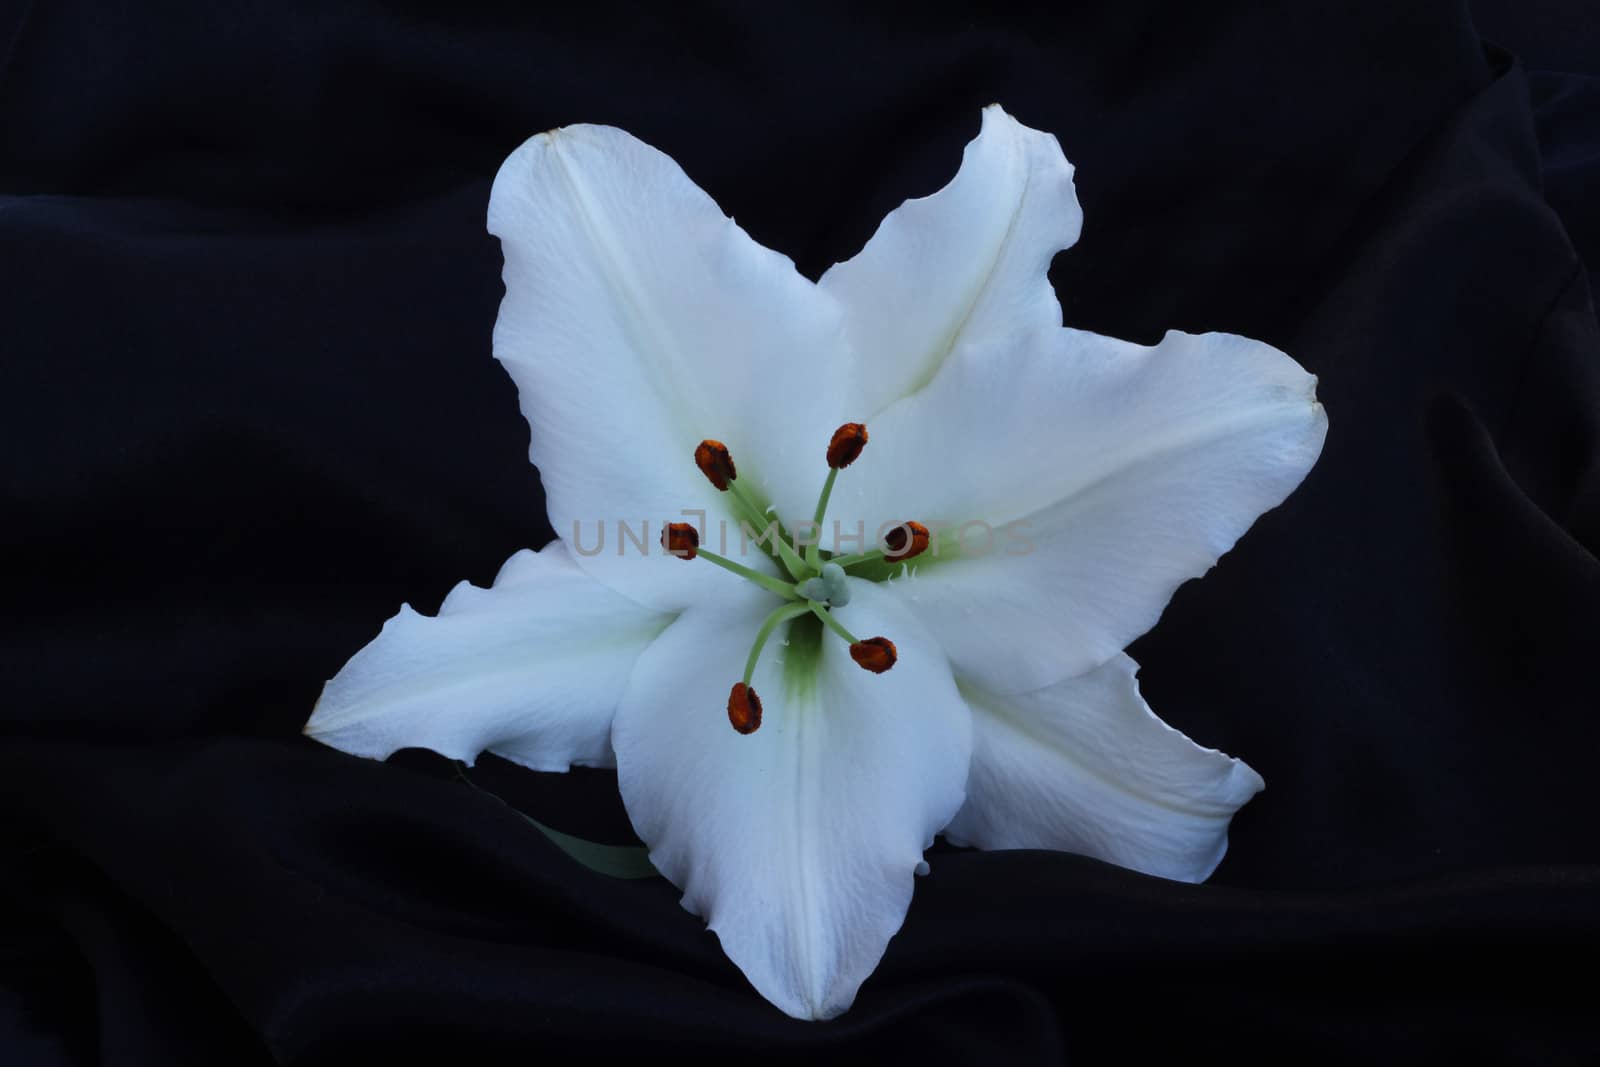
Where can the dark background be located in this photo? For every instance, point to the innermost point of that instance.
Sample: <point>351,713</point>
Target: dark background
<point>247,408</point>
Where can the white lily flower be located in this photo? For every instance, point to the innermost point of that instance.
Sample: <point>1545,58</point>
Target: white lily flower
<point>666,363</point>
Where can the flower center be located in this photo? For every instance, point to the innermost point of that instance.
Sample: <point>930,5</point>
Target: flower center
<point>818,580</point>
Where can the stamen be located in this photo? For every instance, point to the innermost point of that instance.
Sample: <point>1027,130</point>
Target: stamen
<point>814,549</point>
<point>832,623</point>
<point>715,462</point>
<point>751,510</point>
<point>900,545</point>
<point>848,441</point>
<point>744,708</point>
<point>876,654</point>
<point>787,556</point>
<point>778,617</point>
<point>905,541</point>
<point>680,539</point>
<point>765,581</point>
<point>846,444</point>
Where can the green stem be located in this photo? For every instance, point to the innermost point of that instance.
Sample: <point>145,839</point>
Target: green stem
<point>830,622</point>
<point>860,557</point>
<point>814,550</point>
<point>780,616</point>
<point>791,559</point>
<point>765,581</point>
<point>759,522</point>
<point>752,511</point>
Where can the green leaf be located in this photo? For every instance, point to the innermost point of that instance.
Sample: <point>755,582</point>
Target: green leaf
<point>614,861</point>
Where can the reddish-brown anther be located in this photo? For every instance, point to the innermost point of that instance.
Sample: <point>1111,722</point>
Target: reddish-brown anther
<point>715,463</point>
<point>876,654</point>
<point>905,541</point>
<point>744,708</point>
<point>847,443</point>
<point>681,539</point>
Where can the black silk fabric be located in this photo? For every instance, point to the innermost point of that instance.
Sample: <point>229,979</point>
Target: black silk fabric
<point>248,408</point>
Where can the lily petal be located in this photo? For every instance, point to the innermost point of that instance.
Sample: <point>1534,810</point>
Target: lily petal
<point>1109,473</point>
<point>797,843</point>
<point>965,265</point>
<point>639,320</point>
<point>530,669</point>
<point>1085,766</point>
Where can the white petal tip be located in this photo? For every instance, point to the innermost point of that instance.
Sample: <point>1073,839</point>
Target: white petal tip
<point>316,725</point>
<point>1243,783</point>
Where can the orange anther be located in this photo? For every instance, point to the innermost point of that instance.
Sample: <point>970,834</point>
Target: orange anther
<point>681,539</point>
<point>847,443</point>
<point>744,708</point>
<point>876,654</point>
<point>715,463</point>
<point>905,541</point>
